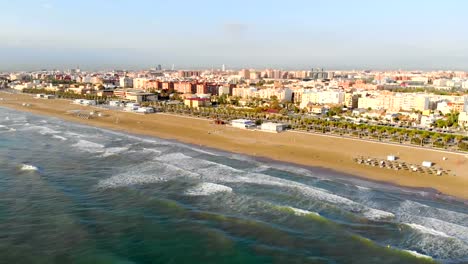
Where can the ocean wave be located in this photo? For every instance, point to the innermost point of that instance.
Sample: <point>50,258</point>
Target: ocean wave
<point>176,156</point>
<point>29,167</point>
<point>376,214</point>
<point>59,137</point>
<point>152,150</point>
<point>301,212</point>
<point>416,254</point>
<point>207,188</point>
<point>362,188</point>
<point>434,243</point>
<point>5,129</point>
<point>145,173</point>
<point>89,146</point>
<point>294,170</point>
<point>220,173</point>
<point>426,230</point>
<point>419,209</point>
<point>441,227</point>
<point>41,130</point>
<point>113,151</point>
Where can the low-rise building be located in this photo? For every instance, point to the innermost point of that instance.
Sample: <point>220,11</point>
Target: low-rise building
<point>273,127</point>
<point>243,123</point>
<point>197,102</point>
<point>145,110</point>
<point>140,96</point>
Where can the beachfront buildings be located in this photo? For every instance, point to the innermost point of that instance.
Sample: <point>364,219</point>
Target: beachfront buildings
<point>281,94</point>
<point>272,127</point>
<point>197,102</point>
<point>394,102</point>
<point>243,123</point>
<point>315,96</point>
<point>135,95</point>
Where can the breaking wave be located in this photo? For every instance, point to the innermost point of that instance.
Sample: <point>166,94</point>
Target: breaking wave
<point>207,188</point>
<point>28,167</point>
<point>427,230</point>
<point>88,146</point>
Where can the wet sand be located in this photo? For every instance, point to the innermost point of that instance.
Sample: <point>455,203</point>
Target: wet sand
<point>299,148</point>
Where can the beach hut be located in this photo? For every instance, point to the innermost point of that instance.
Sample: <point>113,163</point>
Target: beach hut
<point>427,164</point>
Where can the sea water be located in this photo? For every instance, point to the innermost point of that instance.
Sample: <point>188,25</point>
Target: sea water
<point>71,193</point>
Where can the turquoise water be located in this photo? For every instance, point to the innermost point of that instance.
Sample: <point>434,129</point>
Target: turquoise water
<point>76,194</point>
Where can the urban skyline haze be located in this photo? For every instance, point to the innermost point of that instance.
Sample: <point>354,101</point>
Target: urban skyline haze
<point>295,34</point>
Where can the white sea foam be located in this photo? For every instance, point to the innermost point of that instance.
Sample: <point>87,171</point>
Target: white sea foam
<point>434,243</point>
<point>41,130</point>
<point>292,169</point>
<point>59,137</point>
<point>157,151</point>
<point>362,188</point>
<point>376,214</point>
<point>113,151</point>
<point>207,188</point>
<point>89,146</point>
<point>441,227</point>
<point>301,212</point>
<point>414,208</point>
<point>177,156</point>
<point>28,167</point>
<point>199,150</point>
<point>145,173</point>
<point>416,254</point>
<point>220,173</point>
<point>123,180</point>
<point>426,230</point>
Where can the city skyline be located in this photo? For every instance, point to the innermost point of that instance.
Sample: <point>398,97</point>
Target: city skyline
<point>421,35</point>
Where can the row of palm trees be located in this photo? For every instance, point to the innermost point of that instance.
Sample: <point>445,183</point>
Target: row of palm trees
<point>68,95</point>
<point>421,138</point>
<point>300,122</point>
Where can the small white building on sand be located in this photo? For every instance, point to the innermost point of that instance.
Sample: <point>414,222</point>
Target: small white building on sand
<point>84,102</point>
<point>273,127</point>
<point>145,110</point>
<point>131,107</point>
<point>243,123</point>
<point>45,96</point>
<point>115,103</point>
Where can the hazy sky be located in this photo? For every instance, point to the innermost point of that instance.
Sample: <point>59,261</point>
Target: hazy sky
<point>338,34</point>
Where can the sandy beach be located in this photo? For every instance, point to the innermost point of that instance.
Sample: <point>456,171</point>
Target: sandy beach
<point>299,148</point>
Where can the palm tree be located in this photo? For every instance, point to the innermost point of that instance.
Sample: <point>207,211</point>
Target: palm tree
<point>434,138</point>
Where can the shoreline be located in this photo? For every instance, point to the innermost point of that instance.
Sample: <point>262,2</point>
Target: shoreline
<point>323,152</point>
